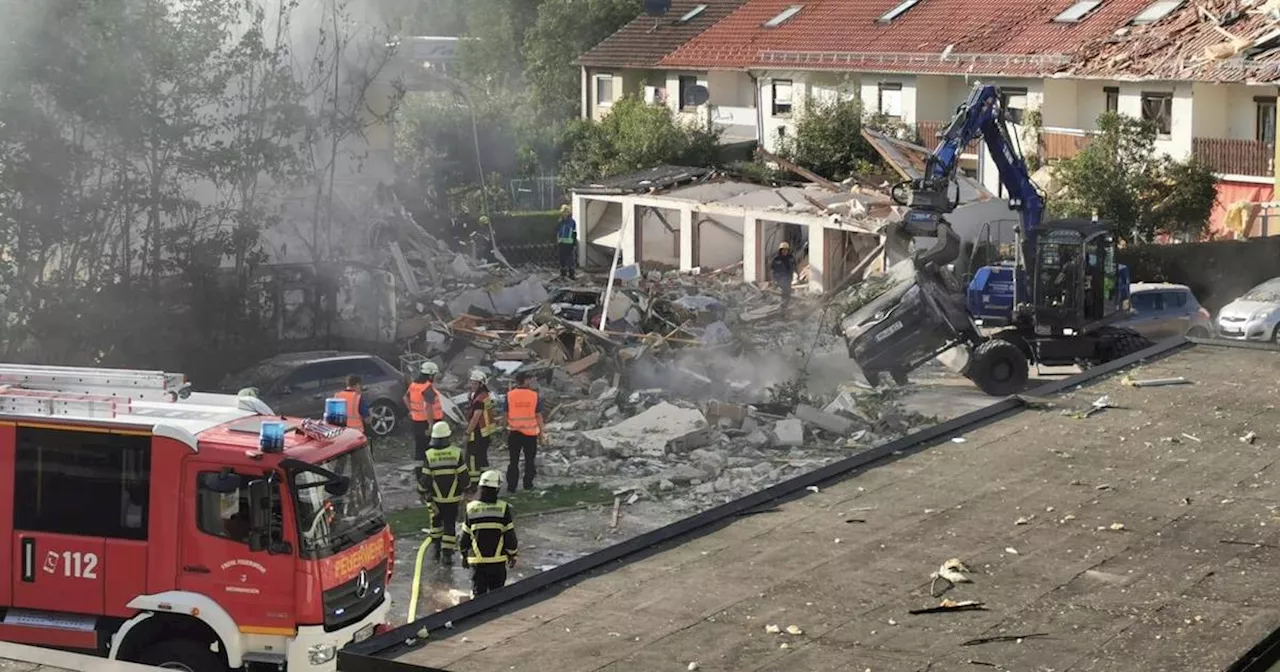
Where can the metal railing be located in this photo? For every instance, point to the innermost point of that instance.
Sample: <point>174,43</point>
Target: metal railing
<point>535,193</point>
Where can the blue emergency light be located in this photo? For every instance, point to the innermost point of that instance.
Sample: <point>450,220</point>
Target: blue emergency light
<point>335,412</point>
<point>271,437</point>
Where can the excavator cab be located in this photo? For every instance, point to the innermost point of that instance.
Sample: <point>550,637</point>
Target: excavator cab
<point>1076,286</point>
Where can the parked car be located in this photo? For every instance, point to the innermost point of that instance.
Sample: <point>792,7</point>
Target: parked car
<point>298,383</point>
<point>1254,316</point>
<point>1162,310</point>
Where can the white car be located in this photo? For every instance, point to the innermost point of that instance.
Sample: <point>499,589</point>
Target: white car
<point>1254,316</point>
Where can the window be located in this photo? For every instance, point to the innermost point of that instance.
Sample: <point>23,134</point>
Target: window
<point>1145,303</point>
<point>81,483</point>
<point>1014,100</point>
<point>786,14</point>
<point>692,14</point>
<point>368,369</point>
<point>1158,108</point>
<point>1112,94</point>
<point>226,514</point>
<point>222,514</point>
<point>687,82</point>
<point>604,90</point>
<point>897,11</point>
<point>1265,128</point>
<point>889,100</point>
<point>1175,299</point>
<point>1155,11</point>
<point>781,97</point>
<point>1078,11</point>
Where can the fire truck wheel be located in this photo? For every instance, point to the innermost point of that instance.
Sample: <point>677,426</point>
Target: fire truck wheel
<point>182,654</point>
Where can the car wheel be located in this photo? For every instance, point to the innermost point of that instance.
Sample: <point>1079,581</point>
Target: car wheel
<point>382,418</point>
<point>1198,332</point>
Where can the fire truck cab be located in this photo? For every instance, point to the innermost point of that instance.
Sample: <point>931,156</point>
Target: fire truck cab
<point>145,522</point>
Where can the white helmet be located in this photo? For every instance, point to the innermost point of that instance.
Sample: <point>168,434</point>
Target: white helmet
<point>429,368</point>
<point>491,479</point>
<point>478,376</point>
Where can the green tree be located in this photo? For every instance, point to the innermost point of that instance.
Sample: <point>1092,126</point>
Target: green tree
<point>427,17</point>
<point>1142,193</point>
<point>828,139</point>
<point>491,59</point>
<point>565,30</point>
<point>633,136</point>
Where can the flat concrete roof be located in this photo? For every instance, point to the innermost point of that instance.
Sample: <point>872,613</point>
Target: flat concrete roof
<point>1028,502</point>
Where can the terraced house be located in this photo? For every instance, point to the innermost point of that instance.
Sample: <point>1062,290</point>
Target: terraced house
<point>1205,72</point>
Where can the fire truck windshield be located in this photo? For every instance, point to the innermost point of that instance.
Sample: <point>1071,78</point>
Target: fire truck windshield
<point>330,523</point>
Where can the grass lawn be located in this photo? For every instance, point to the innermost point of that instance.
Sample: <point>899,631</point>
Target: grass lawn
<point>414,520</point>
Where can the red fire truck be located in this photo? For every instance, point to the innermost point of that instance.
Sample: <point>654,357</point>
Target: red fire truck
<point>145,522</point>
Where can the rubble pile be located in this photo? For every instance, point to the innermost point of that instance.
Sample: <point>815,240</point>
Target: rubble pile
<point>684,388</point>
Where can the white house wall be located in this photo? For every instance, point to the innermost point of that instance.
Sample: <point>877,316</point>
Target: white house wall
<point>871,95</point>
<point>719,240</point>
<point>1063,109</point>
<point>934,98</point>
<point>656,242</point>
<point>1212,113</point>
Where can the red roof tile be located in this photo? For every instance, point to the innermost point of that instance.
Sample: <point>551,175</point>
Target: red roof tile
<point>646,39</point>
<point>1006,37</point>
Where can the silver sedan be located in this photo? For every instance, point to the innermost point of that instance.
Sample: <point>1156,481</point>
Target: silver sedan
<point>1254,316</point>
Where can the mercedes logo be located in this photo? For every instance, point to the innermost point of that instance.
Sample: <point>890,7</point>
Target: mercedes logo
<point>362,584</point>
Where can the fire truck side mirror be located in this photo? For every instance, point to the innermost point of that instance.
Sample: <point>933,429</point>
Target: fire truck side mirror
<point>259,514</point>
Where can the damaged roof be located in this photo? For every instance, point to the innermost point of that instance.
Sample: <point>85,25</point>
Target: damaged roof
<point>908,159</point>
<point>646,39</point>
<point>662,176</point>
<point>1217,40</point>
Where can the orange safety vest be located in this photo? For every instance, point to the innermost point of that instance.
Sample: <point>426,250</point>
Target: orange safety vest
<point>424,403</point>
<point>352,398</point>
<point>522,411</point>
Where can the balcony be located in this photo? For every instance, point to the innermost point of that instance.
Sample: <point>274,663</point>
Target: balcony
<point>927,134</point>
<point>736,124</point>
<point>1229,156</point>
<point>1062,143</point>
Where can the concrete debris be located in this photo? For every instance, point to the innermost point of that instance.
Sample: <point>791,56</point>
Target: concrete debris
<point>651,433</point>
<point>789,432</point>
<point>675,395</point>
<point>826,421</point>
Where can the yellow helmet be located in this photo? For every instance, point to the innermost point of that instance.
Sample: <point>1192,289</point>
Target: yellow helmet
<point>441,430</point>
<point>484,219</point>
<point>784,246</point>
<point>429,368</point>
<point>564,209</point>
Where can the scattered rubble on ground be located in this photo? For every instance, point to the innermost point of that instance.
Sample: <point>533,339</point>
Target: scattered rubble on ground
<point>690,389</point>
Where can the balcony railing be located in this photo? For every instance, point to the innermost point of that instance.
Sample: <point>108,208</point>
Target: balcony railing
<point>1062,144</point>
<point>927,135</point>
<point>1235,157</point>
<point>1058,143</point>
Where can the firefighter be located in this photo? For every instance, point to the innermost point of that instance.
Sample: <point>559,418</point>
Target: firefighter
<point>480,426</point>
<point>567,242</point>
<point>441,482</point>
<point>357,407</point>
<point>524,424</point>
<point>784,271</point>
<point>488,541</point>
<point>423,402</point>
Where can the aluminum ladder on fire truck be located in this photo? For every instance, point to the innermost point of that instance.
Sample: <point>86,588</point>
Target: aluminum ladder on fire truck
<point>82,391</point>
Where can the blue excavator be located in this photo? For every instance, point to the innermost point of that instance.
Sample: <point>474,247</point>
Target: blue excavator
<point>1054,303</point>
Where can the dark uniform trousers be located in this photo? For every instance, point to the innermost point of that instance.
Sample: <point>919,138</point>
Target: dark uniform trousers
<point>486,578</point>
